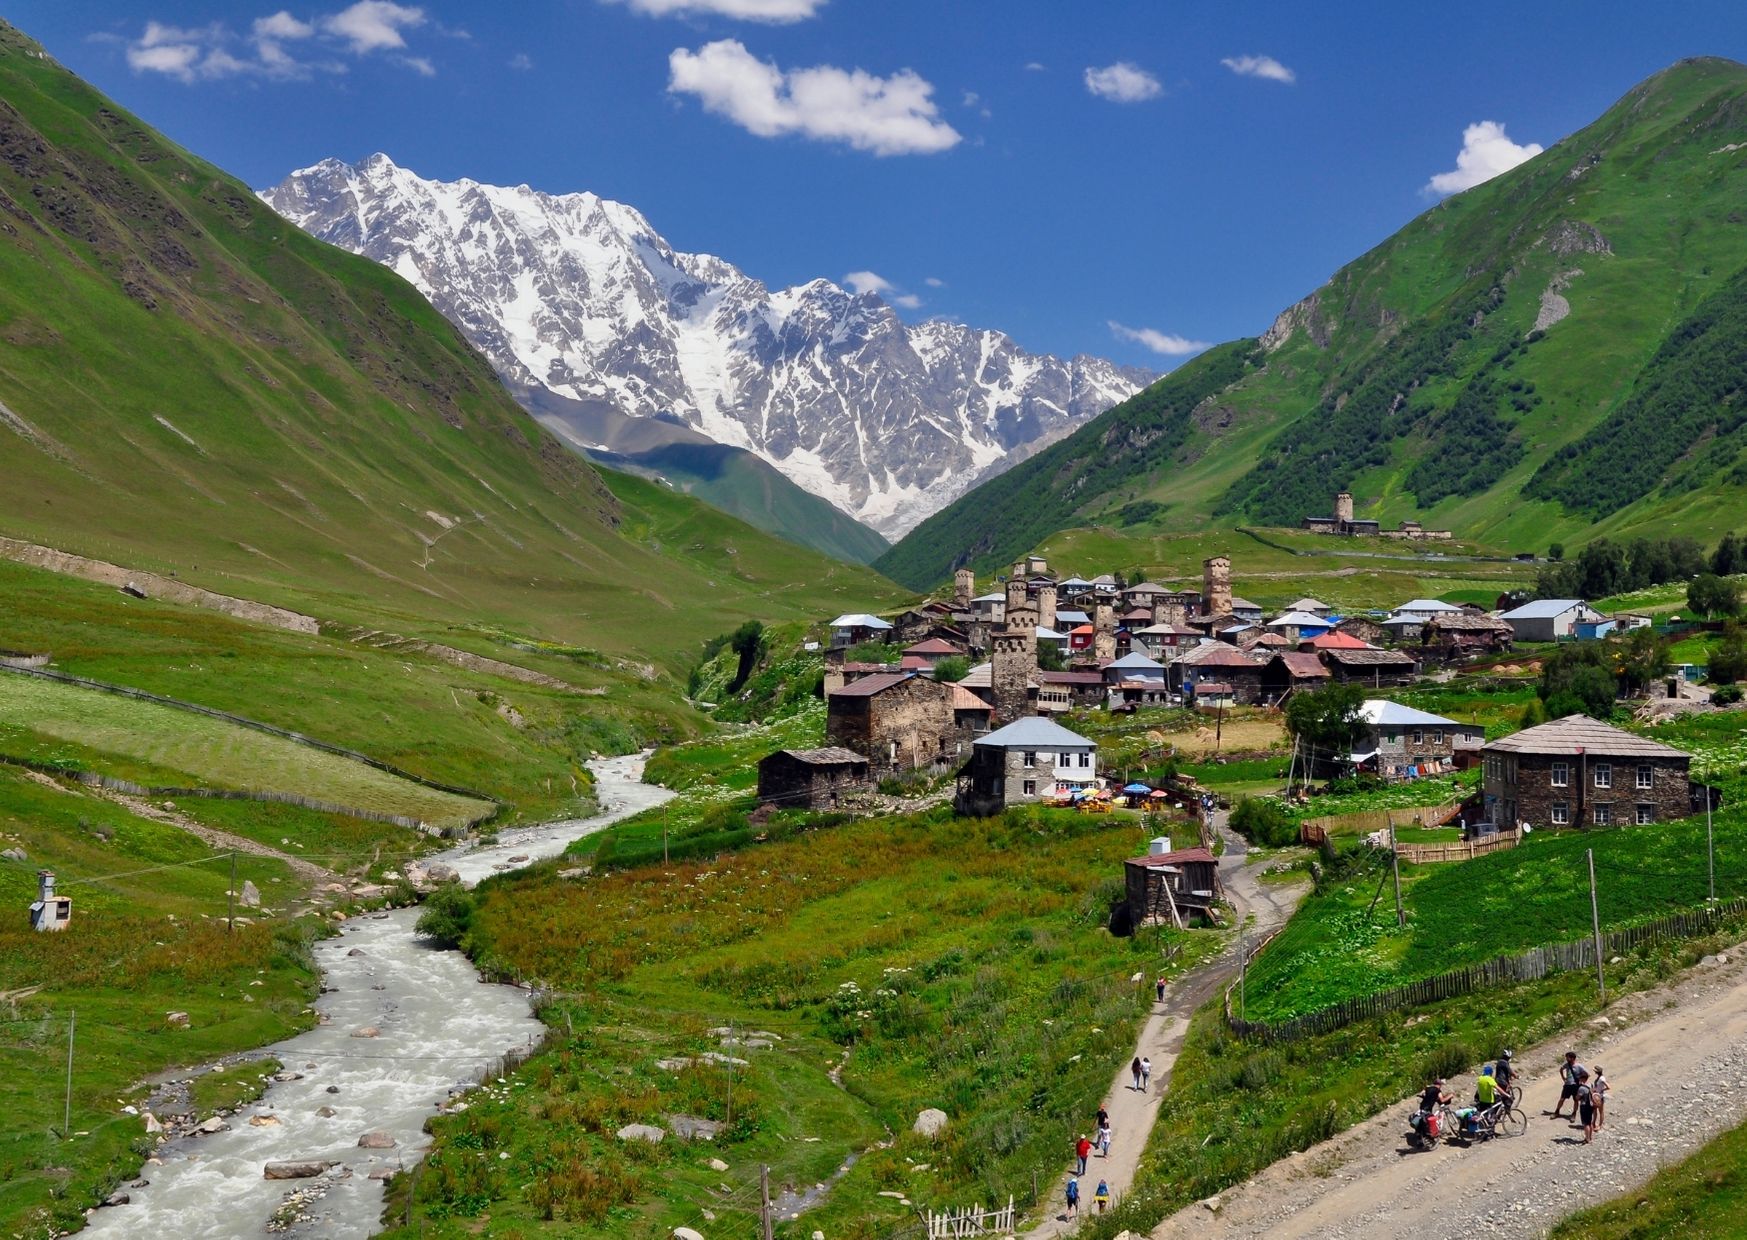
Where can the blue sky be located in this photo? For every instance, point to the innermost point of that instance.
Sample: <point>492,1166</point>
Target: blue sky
<point>1108,178</point>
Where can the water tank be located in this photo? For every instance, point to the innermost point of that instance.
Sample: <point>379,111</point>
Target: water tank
<point>1159,847</point>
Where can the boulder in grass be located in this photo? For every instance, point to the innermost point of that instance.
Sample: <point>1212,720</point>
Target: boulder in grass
<point>931,1122</point>
<point>642,1132</point>
<point>686,1233</point>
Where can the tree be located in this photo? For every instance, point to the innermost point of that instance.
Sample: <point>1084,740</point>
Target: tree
<point>1577,679</point>
<point>1263,822</point>
<point>1641,659</point>
<point>1730,557</point>
<point>1327,720</point>
<point>1535,712</point>
<point>1556,552</point>
<point>1728,662</point>
<point>1711,595</point>
<point>745,642</point>
<point>1049,656</point>
<point>952,669</point>
<point>446,915</point>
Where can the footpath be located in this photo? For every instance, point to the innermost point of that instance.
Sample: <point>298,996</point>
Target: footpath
<point>1161,1039</point>
<point>1677,1059</point>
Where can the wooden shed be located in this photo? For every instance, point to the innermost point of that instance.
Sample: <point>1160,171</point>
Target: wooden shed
<point>810,778</point>
<point>1186,879</point>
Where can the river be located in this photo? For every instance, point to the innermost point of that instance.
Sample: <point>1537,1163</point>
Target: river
<point>438,1028</point>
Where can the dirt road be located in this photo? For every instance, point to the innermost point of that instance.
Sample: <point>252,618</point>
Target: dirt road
<point>1677,1058</point>
<point>1161,1038</point>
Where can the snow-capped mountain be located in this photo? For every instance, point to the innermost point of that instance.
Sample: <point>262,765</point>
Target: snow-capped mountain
<point>578,295</point>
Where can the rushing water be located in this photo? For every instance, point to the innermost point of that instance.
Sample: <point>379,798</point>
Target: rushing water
<point>438,1028</point>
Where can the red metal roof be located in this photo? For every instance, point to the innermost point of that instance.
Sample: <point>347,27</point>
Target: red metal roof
<point>962,698</point>
<point>1334,639</point>
<point>934,645</point>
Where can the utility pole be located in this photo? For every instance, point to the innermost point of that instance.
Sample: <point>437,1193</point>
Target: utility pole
<point>730,1066</point>
<point>230,915</point>
<point>67,1115</point>
<point>764,1201</point>
<point>664,835</point>
<point>1293,768</point>
<point>1595,921</point>
<point>1395,869</point>
<point>1243,973</point>
<point>1710,840</point>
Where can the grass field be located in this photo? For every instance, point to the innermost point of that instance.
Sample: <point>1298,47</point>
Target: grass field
<point>147,936</point>
<point>219,754</point>
<point>1701,1197</point>
<point>939,962</point>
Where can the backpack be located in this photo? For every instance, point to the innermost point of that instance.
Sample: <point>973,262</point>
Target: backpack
<point>1073,1191</point>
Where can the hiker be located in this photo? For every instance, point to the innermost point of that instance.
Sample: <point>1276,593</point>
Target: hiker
<point>1103,1117</point>
<point>1082,1151</point>
<point>1586,1107</point>
<point>1102,1196</point>
<point>1135,1069</point>
<point>1073,1198</point>
<point>1161,988</point>
<point>1568,1072</point>
<point>1598,1091</point>
<point>1104,1139</point>
<point>1146,1073</point>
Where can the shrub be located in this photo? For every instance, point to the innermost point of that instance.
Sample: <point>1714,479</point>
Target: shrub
<point>447,915</point>
<point>1264,822</point>
<point>1727,695</point>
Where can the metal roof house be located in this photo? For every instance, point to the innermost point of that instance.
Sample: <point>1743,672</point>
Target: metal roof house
<point>856,628</point>
<point>1578,771</point>
<point>1549,619</point>
<point>1029,760</point>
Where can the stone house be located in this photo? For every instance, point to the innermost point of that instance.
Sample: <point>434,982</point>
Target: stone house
<point>810,778</point>
<point>1369,667</point>
<point>923,655</point>
<point>1216,661</point>
<point>1449,639</point>
<point>1059,691</point>
<point>1365,628</point>
<point>896,720</point>
<point>1191,875</point>
<point>1162,641</point>
<point>858,627</point>
<point>1578,771</point>
<point>1029,760</point>
<point>1401,742</point>
<point>1291,670</point>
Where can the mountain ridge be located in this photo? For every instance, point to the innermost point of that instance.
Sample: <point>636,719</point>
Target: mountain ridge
<point>580,295</point>
<point>1447,373</point>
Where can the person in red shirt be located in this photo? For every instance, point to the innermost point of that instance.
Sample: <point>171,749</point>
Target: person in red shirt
<point>1082,1151</point>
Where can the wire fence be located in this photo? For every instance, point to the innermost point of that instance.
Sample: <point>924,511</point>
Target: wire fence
<point>1531,965</point>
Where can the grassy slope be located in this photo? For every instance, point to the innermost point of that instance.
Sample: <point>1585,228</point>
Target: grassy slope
<point>962,964</point>
<point>138,946</point>
<point>213,393</point>
<point>1644,176</point>
<point>747,487</point>
<point>1701,1197</point>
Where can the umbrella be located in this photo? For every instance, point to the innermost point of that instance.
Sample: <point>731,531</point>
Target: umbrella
<point>1160,792</point>
<point>1137,789</point>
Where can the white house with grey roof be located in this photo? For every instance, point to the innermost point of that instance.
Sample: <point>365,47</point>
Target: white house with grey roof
<point>1032,759</point>
<point>1403,743</point>
<point>1549,619</point>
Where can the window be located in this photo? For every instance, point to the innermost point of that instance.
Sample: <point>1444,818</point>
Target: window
<point>1604,814</point>
<point>1030,759</point>
<point>1646,813</point>
<point>1030,787</point>
<point>1416,737</point>
<point>1085,759</point>
<point>1604,775</point>
<point>1561,813</point>
<point>1561,774</point>
<point>1646,776</point>
<point>1437,736</point>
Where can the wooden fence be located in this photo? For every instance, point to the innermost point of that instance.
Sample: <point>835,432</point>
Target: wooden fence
<point>971,1221</point>
<point>1462,850</point>
<point>1532,965</point>
<point>1314,831</point>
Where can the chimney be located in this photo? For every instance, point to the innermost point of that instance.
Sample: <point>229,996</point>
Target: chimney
<point>45,885</point>
<point>1159,847</point>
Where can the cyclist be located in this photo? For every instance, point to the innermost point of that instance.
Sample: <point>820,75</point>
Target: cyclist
<point>1430,1099</point>
<point>1504,1072</point>
<point>1486,1089</point>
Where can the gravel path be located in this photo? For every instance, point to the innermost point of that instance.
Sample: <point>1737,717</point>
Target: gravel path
<point>1677,1059</point>
<point>1161,1038</point>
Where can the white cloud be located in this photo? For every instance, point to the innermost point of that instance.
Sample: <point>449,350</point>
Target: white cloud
<point>218,51</point>
<point>1485,153</point>
<point>1035,66</point>
<point>775,12</point>
<point>1159,342</point>
<point>907,301</point>
<point>374,25</point>
<point>1123,82</point>
<point>934,282</point>
<point>1260,67</point>
<point>521,61</point>
<point>864,282</point>
<point>886,115</point>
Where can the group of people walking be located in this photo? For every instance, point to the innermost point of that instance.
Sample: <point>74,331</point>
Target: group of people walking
<point>1586,1091</point>
<point>1083,1149</point>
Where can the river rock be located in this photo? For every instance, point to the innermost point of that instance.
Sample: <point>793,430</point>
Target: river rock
<point>368,1031</point>
<point>217,1123</point>
<point>152,1124</point>
<point>357,951</point>
<point>250,895</point>
<point>294,1169</point>
<point>383,1173</point>
<point>117,1199</point>
<point>333,1089</point>
<point>326,1112</point>
<point>176,1020</point>
<point>376,1139</point>
<point>642,1132</point>
<point>437,872</point>
<point>931,1122</point>
<point>263,1121</point>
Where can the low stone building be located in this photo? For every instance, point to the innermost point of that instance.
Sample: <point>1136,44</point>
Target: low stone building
<point>897,720</point>
<point>1578,771</point>
<point>810,778</point>
<point>1291,670</point>
<point>1030,760</point>
<point>1216,661</point>
<point>1462,635</point>
<point>1186,879</point>
<point>1369,667</point>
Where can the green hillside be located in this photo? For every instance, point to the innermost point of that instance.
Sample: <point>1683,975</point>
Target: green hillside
<point>1546,356</point>
<point>190,385</point>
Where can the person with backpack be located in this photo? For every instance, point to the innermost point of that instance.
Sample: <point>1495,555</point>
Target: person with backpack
<point>1073,1198</point>
<point>1161,988</point>
<point>1585,1098</point>
<point>1102,1196</point>
<point>1431,1099</point>
<point>1486,1089</point>
<point>1082,1151</point>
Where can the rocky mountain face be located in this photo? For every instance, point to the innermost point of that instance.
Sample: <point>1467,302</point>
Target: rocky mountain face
<point>581,297</point>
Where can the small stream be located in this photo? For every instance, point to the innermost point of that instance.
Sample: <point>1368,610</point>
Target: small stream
<point>438,1028</point>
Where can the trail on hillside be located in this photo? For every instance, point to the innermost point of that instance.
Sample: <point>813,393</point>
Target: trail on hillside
<point>1677,1059</point>
<point>1133,1113</point>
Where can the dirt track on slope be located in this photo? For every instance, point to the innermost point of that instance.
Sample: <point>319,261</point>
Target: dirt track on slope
<point>1677,1058</point>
